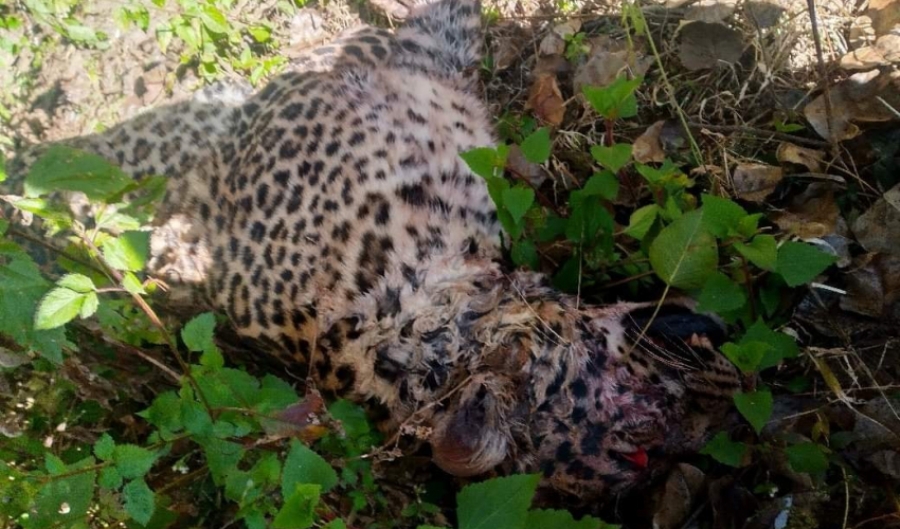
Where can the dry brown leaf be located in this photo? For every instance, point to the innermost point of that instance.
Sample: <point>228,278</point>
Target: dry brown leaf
<point>811,158</point>
<point>878,229</point>
<point>764,14</point>
<point>646,147</point>
<point>885,51</point>
<point>609,59</point>
<point>552,44</point>
<point>754,181</point>
<point>811,214</point>
<point>711,10</point>
<point>546,100</point>
<point>885,14</point>
<point>682,487</point>
<point>857,99</point>
<point>704,45</point>
<point>873,286</point>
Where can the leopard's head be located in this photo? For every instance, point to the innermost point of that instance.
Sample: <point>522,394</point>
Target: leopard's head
<point>612,400</point>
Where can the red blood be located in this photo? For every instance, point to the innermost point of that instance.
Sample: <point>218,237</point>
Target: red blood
<point>638,458</point>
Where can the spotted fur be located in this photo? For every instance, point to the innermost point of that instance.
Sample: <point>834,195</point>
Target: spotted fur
<point>330,216</point>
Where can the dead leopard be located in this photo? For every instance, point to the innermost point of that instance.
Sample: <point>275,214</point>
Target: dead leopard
<point>330,216</point>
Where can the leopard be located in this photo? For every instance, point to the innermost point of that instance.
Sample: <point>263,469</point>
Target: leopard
<point>330,217</point>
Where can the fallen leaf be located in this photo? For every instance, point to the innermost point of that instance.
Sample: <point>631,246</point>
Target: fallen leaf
<point>859,99</point>
<point>608,59</point>
<point>704,45</point>
<point>754,182</point>
<point>546,100</point>
<point>812,214</point>
<point>552,44</point>
<point>884,52</point>
<point>678,496</point>
<point>516,163</point>
<point>878,229</point>
<point>763,14</point>
<point>885,14</point>
<point>711,10</point>
<point>811,158</point>
<point>861,32</point>
<point>646,147</point>
<point>873,286</point>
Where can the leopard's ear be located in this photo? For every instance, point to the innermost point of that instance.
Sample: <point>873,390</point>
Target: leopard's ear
<point>471,438</point>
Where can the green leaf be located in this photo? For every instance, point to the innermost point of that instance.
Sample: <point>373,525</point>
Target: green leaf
<point>603,184</point>
<point>337,523</point>
<point>566,279</point>
<point>499,503</point>
<point>89,306</point>
<point>132,284</point>
<point>613,157</point>
<point>616,100</point>
<point>57,308</point>
<point>517,201</point>
<point>536,147</point>
<point>104,447</point>
<point>77,282</point>
<point>165,412</point>
<point>761,251</point>
<point>720,294</point>
<point>587,218</point>
<point>725,451</point>
<point>799,263</point>
<point>780,345</point>
<point>66,169</point>
<point>721,215</point>
<point>198,336</point>
<point>75,492</point>
<point>214,20</point>
<point>128,251</point>
<point>557,519</point>
<point>684,254</point>
<point>54,465</point>
<point>484,161</point>
<point>747,355</point>
<point>756,407</point>
<point>221,457</point>
<point>641,221</point>
<point>302,465</point>
<point>21,288</point>
<point>298,511</point>
<point>353,418</point>
<point>133,461</point>
<point>748,225</point>
<point>524,253</point>
<point>109,478</point>
<point>140,501</point>
<point>808,458</point>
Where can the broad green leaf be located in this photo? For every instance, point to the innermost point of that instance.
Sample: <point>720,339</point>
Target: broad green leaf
<point>109,478</point>
<point>807,458</point>
<point>214,20</point>
<point>128,251</point>
<point>140,502</point>
<point>641,221</point>
<point>615,100</point>
<point>567,277</point>
<point>725,451</point>
<point>89,305</point>
<point>749,225</point>
<point>587,218</point>
<point>756,407</point>
<point>299,509</point>
<point>77,282</point>
<point>21,288</point>
<point>799,263</point>
<point>337,523</point>
<point>499,503</point>
<point>720,294</point>
<point>524,253</point>
<point>66,169</point>
<point>81,33</point>
<point>484,161</point>
<point>604,184</point>
<point>198,336</point>
<point>54,465</point>
<point>133,461</point>
<point>781,345</point>
<point>64,501</point>
<point>613,157</point>
<point>558,519</point>
<point>132,284</point>
<point>165,412</point>
<point>684,254</point>
<point>221,457</point>
<point>746,355</point>
<point>104,447</point>
<point>517,201</point>
<point>58,307</point>
<point>656,176</point>
<point>302,465</point>
<point>761,251</point>
<point>721,215</point>
<point>197,421</point>
<point>353,418</point>
<point>536,147</point>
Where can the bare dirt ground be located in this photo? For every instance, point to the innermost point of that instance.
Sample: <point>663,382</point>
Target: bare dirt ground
<point>808,136</point>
